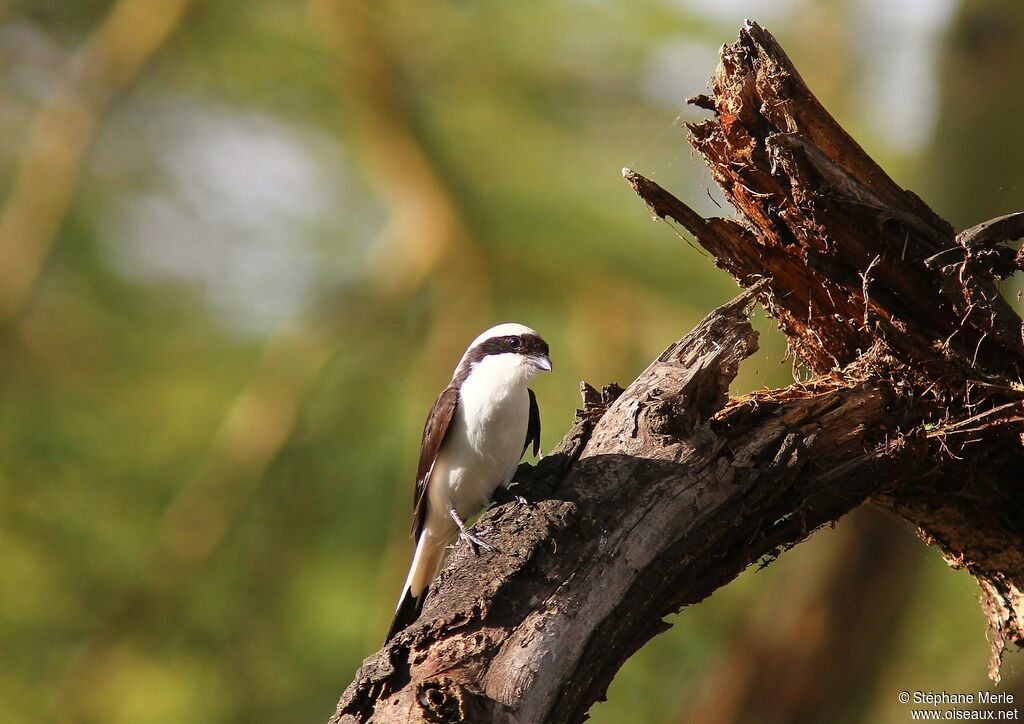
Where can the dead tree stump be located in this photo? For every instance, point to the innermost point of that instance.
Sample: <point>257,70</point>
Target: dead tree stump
<point>665,491</point>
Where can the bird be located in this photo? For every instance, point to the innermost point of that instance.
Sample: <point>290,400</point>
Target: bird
<point>477,431</point>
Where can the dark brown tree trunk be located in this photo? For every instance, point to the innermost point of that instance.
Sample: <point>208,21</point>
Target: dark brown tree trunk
<point>665,492</point>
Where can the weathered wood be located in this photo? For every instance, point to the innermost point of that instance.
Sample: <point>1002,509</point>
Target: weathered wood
<point>865,279</point>
<point>665,491</point>
<point>667,495</point>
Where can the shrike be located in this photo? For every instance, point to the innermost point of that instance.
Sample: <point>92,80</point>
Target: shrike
<point>478,429</point>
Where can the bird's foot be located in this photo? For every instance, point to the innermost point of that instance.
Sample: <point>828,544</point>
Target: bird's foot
<point>465,535</point>
<point>475,542</point>
<point>511,493</point>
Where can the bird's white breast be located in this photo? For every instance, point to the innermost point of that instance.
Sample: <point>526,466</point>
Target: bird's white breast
<point>485,441</point>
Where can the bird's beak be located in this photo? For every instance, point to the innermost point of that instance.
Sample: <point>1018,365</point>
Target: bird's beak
<point>540,362</point>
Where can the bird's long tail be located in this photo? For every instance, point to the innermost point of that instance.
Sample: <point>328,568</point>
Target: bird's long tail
<point>425,562</point>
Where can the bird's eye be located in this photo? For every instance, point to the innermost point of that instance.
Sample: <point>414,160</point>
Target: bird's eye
<point>514,343</point>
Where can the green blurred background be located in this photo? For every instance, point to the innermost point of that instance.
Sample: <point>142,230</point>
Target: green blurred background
<point>243,243</point>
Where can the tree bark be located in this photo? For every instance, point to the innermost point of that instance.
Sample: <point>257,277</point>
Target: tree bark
<point>665,491</point>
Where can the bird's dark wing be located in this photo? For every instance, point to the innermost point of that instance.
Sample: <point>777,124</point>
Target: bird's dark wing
<point>533,425</point>
<point>434,433</point>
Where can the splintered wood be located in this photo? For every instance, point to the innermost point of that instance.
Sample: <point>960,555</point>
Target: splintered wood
<point>665,491</point>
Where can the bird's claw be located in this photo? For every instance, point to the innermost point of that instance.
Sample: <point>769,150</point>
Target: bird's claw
<point>465,535</point>
<point>474,542</point>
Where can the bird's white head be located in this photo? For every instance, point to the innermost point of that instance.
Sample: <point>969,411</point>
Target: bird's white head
<point>510,351</point>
